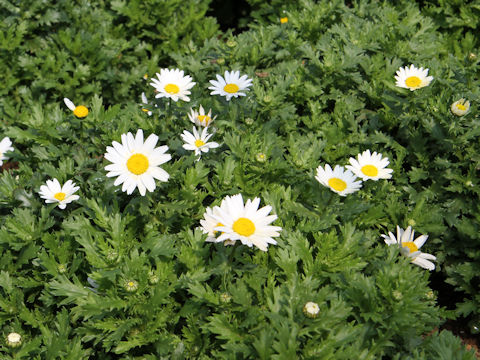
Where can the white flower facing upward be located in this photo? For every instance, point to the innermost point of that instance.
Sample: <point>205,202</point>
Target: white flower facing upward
<point>460,107</point>
<point>232,85</point>
<point>245,222</point>
<point>338,180</point>
<point>198,142</point>
<point>5,145</point>
<point>79,111</point>
<point>410,247</point>
<point>136,163</point>
<point>172,84</point>
<point>370,166</point>
<point>199,117</point>
<point>53,192</point>
<point>412,78</point>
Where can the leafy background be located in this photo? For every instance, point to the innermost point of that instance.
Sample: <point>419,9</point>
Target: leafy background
<point>323,91</point>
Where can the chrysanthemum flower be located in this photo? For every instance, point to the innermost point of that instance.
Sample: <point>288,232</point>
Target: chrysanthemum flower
<point>14,340</point>
<point>410,248</point>
<point>338,180</point>
<point>79,111</point>
<point>5,145</point>
<point>200,118</point>
<point>370,166</point>
<point>311,309</point>
<point>412,78</point>
<point>245,222</point>
<point>283,20</point>
<point>53,192</point>
<point>232,85</point>
<point>198,142</point>
<point>136,163</point>
<point>172,84</point>
<point>460,107</point>
<point>145,102</point>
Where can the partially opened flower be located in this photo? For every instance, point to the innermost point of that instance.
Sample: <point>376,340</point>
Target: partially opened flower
<point>412,78</point>
<point>209,223</point>
<point>460,107</point>
<point>311,309</point>
<point>200,118</point>
<point>370,166</point>
<point>53,192</point>
<point>339,180</point>
<point>245,222</point>
<point>410,247</point>
<point>198,142</point>
<point>14,340</point>
<point>5,145</point>
<point>172,84</point>
<point>136,163</point>
<point>79,111</point>
<point>145,102</point>
<point>232,85</point>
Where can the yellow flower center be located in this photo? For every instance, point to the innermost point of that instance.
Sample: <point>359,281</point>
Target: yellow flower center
<point>337,184</point>
<point>413,81</point>
<point>244,227</point>
<point>410,245</point>
<point>80,111</point>
<point>60,196</point>
<point>131,283</point>
<point>145,110</point>
<point>369,170</point>
<point>461,107</point>
<point>231,88</point>
<point>204,118</point>
<point>199,143</point>
<point>283,20</point>
<point>171,88</point>
<point>137,164</point>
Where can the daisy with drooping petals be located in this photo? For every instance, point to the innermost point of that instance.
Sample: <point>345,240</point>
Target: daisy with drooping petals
<point>412,78</point>
<point>136,163</point>
<point>370,166</point>
<point>245,222</point>
<point>5,145</point>
<point>200,118</point>
<point>172,84</point>
<point>198,142</point>
<point>145,102</point>
<point>410,248</point>
<point>338,180</point>
<point>209,223</point>
<point>53,192</point>
<point>460,107</point>
<point>79,111</point>
<point>232,85</point>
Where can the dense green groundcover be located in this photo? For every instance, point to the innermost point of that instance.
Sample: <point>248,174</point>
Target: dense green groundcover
<point>117,276</point>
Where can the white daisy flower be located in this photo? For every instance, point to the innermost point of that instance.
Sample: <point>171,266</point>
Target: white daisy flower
<point>460,107</point>
<point>209,223</point>
<point>311,309</point>
<point>136,163</point>
<point>79,111</point>
<point>370,166</point>
<point>410,248</point>
<point>145,102</point>
<point>14,340</point>
<point>199,117</point>
<point>231,85</point>
<point>172,84</point>
<point>53,192</point>
<point>338,180</point>
<point>246,222</point>
<point>198,141</point>
<point>412,78</point>
<point>5,145</point>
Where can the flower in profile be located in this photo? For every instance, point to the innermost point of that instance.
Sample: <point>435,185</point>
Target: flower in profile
<point>339,180</point>
<point>311,309</point>
<point>5,145</point>
<point>145,102</point>
<point>80,111</point>
<point>410,247</point>
<point>14,340</point>
<point>199,117</point>
<point>136,163</point>
<point>370,166</point>
<point>172,84</point>
<point>231,86</point>
<point>460,107</point>
<point>412,78</point>
<point>245,222</point>
<point>198,142</point>
<point>53,192</point>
